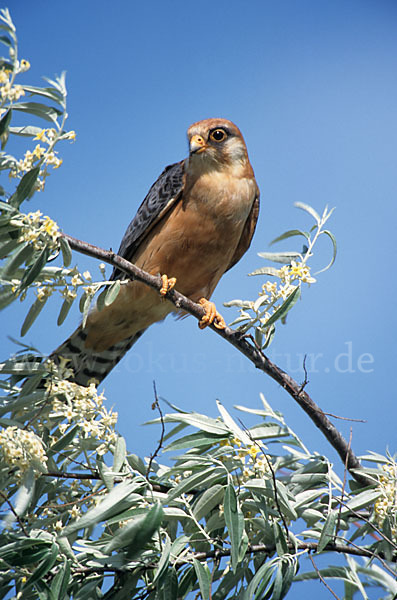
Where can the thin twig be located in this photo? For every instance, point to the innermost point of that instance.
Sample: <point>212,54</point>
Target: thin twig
<point>306,380</point>
<point>76,501</point>
<point>321,578</point>
<point>157,487</point>
<point>274,480</point>
<point>257,357</point>
<point>343,487</point>
<point>378,557</point>
<point>155,405</point>
<point>82,476</point>
<point>372,525</point>
<point>345,418</point>
<point>14,512</point>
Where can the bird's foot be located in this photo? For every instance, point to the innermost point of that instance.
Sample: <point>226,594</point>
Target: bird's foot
<point>211,315</point>
<point>167,284</point>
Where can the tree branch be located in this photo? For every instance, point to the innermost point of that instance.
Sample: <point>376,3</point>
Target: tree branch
<point>239,341</point>
<point>157,487</point>
<point>252,549</point>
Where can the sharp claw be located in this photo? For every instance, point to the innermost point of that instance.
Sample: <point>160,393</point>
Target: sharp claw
<point>167,284</point>
<point>211,315</point>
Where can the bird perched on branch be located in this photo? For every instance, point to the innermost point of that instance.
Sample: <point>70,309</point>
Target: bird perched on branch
<point>195,223</point>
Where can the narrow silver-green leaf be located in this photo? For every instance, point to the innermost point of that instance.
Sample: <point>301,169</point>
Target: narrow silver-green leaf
<point>138,532</point>
<point>280,257</point>
<point>164,560</point>
<point>100,302</point>
<point>234,522</point>
<point>280,539</point>
<point>6,296</point>
<point>119,454</point>
<point>270,333</point>
<point>200,421</point>
<point>190,483</point>
<point>30,385</point>
<point>334,250</point>
<point>21,255</point>
<point>194,440</point>
<point>328,530</point>
<point>169,589</point>
<point>5,40</point>
<point>204,578</point>
<point>114,503</point>
<point>25,552</point>
<point>239,433</point>
<point>243,546</point>
<point>365,499</point>
<point>285,307</point>
<point>84,305</point>
<point>48,113</point>
<point>265,271</point>
<point>58,83</point>
<point>112,292</point>
<point>283,579</point>
<point>9,245</point>
<point>65,308</point>
<point>258,337</point>
<point>309,209</point>
<point>208,501</point>
<point>136,463</point>
<point>59,584</point>
<point>66,251</point>
<point>25,130</point>
<point>35,269</point>
<point>22,500</point>
<point>51,93</point>
<point>32,315</point>
<point>238,303</point>
<point>261,578</point>
<point>25,187</point>
<point>4,127</point>
<point>45,565</point>
<point>288,234</point>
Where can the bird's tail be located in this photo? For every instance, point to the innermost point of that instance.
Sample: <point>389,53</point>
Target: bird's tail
<point>86,364</point>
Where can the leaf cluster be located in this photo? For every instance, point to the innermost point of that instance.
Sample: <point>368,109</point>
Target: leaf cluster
<point>276,300</point>
<point>228,514</point>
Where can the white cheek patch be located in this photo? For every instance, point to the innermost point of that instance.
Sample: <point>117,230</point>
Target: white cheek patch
<point>235,149</point>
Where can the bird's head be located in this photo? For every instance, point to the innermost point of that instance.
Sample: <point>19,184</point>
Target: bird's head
<point>216,144</point>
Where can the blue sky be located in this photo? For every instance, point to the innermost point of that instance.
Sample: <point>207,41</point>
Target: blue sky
<point>313,87</point>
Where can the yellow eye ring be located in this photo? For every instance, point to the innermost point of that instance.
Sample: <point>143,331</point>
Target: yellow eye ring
<point>218,135</point>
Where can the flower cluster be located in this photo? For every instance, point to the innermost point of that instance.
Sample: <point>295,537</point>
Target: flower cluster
<point>8,91</point>
<point>271,298</point>
<point>274,294</point>
<point>72,403</point>
<point>68,289</point>
<point>38,231</point>
<point>252,460</point>
<point>49,136</point>
<point>386,505</point>
<point>45,157</point>
<point>22,449</point>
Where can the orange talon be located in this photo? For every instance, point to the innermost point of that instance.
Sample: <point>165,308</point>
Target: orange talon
<point>211,315</point>
<point>168,284</point>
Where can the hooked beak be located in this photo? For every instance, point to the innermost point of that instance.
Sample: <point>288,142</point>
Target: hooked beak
<point>197,144</point>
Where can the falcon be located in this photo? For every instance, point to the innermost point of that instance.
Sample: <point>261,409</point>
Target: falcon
<point>195,223</point>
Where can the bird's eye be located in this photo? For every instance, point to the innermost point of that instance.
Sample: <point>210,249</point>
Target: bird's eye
<point>218,135</point>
